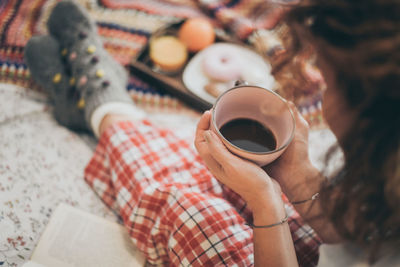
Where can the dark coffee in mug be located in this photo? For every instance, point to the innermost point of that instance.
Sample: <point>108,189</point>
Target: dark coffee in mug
<point>249,135</point>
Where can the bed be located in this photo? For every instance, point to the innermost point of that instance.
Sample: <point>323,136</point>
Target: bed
<point>41,162</point>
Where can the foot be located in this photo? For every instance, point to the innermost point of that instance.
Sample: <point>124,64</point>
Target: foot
<point>42,55</point>
<point>98,78</point>
<point>76,32</point>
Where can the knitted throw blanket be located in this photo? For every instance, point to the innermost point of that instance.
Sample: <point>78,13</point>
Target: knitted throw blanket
<point>125,27</point>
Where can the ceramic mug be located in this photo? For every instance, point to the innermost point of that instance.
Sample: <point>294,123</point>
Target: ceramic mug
<point>259,104</point>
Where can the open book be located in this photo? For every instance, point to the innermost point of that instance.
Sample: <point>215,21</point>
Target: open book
<point>74,238</point>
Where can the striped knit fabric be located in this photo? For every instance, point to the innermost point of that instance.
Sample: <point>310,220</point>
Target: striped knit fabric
<point>125,27</point>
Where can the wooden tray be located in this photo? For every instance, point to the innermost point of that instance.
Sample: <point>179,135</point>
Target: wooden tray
<point>142,67</point>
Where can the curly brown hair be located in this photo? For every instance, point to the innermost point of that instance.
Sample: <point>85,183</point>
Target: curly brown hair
<point>361,42</point>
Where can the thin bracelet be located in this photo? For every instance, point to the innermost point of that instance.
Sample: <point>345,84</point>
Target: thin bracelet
<point>313,197</point>
<point>269,225</point>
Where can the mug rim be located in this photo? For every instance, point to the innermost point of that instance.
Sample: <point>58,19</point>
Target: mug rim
<point>244,150</point>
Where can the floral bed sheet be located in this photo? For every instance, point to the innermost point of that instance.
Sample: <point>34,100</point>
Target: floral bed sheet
<point>41,165</point>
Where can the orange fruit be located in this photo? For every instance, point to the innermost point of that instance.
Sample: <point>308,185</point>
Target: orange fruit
<point>196,34</point>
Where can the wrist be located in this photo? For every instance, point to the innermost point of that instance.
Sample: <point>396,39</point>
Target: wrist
<point>267,210</point>
<point>269,216</point>
<point>304,184</point>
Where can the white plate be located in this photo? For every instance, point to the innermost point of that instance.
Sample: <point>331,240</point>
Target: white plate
<point>256,71</point>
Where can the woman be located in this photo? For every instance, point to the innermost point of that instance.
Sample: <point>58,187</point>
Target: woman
<point>358,46</point>
<point>176,211</point>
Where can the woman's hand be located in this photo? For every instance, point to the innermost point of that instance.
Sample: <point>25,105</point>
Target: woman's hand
<point>300,180</point>
<point>272,246</point>
<point>244,177</point>
<point>293,168</point>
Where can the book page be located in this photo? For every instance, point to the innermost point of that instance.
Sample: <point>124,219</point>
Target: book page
<point>77,238</point>
<point>32,264</point>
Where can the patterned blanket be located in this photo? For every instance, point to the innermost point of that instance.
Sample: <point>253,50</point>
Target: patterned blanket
<point>41,163</point>
<point>125,27</point>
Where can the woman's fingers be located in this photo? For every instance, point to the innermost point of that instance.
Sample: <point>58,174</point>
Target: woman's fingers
<point>202,125</point>
<point>219,160</point>
<point>204,122</point>
<point>301,123</point>
<point>215,168</point>
<point>218,150</point>
<point>203,147</point>
<point>299,119</point>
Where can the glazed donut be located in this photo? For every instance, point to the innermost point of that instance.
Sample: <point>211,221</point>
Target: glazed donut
<point>222,63</point>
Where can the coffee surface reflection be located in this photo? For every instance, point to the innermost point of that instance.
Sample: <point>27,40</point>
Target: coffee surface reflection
<point>249,135</point>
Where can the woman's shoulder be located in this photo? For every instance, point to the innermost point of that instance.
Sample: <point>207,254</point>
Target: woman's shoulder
<point>350,255</point>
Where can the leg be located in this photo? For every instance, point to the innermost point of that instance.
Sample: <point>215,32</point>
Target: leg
<point>305,240</point>
<point>174,209</point>
<point>172,206</point>
<point>42,55</point>
<point>79,75</point>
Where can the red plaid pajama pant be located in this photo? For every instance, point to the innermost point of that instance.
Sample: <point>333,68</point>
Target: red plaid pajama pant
<point>176,212</point>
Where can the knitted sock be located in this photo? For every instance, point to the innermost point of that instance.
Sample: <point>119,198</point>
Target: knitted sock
<point>95,74</point>
<point>42,55</point>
